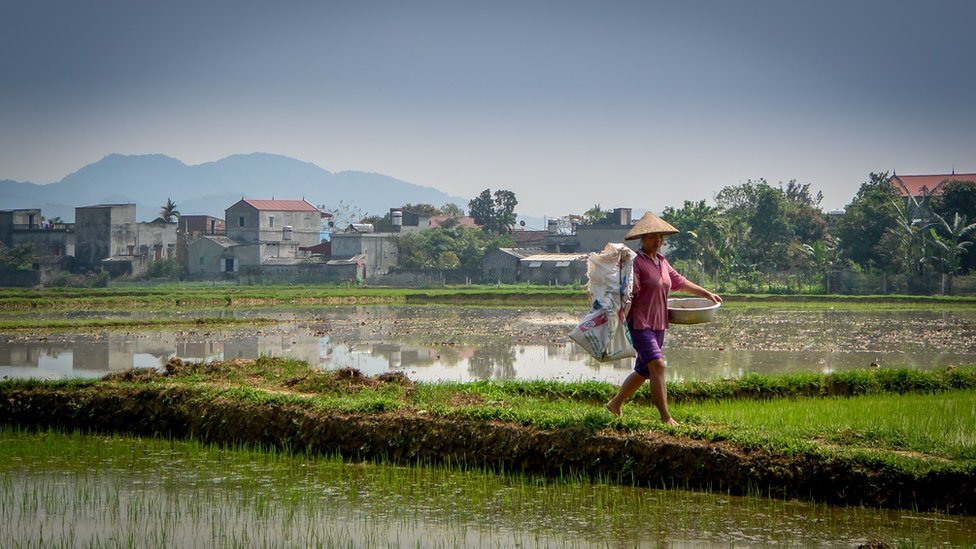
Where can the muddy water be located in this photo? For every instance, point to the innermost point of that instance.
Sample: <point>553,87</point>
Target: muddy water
<point>468,343</point>
<point>80,491</point>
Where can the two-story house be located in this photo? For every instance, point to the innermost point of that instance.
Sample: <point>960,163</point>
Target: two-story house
<point>258,233</point>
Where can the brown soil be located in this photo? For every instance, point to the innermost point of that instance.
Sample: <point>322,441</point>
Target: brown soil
<point>406,436</point>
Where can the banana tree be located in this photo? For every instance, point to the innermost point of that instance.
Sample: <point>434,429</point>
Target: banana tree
<point>951,245</point>
<point>914,217</point>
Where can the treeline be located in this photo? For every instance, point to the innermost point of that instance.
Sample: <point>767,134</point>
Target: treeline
<point>756,230</point>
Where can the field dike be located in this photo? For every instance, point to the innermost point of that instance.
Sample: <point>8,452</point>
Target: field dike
<point>652,459</point>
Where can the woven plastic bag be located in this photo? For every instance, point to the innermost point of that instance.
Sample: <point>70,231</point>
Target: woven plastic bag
<point>603,332</point>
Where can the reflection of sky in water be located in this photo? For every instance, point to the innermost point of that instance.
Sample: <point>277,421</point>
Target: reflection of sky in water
<point>444,344</point>
<point>520,362</point>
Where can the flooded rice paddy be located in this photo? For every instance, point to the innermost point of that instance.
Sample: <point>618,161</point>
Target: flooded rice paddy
<point>430,343</point>
<point>76,490</point>
<point>89,491</point>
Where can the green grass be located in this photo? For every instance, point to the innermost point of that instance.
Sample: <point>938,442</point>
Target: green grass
<point>902,414</point>
<point>924,419</point>
<point>939,424</point>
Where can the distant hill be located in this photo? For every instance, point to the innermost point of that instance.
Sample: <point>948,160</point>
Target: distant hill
<point>149,180</point>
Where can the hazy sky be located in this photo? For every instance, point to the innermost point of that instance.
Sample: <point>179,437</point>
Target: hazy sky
<point>568,104</point>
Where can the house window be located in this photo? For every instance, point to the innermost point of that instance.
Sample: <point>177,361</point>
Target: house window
<point>240,221</point>
<point>562,263</point>
<point>535,264</point>
<point>271,221</point>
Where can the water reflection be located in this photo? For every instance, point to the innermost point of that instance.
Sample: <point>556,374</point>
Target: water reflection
<point>462,344</point>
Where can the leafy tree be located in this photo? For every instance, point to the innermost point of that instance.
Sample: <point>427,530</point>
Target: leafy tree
<point>959,197</point>
<point>505,216</point>
<point>495,214</point>
<point>769,229</point>
<point>594,215</point>
<point>422,209</point>
<point>482,209</point>
<point>452,210</point>
<point>169,211</point>
<point>762,210</point>
<point>804,215</point>
<point>869,217</point>
<point>447,247</point>
<point>381,223</point>
<point>703,237</point>
<point>18,258</point>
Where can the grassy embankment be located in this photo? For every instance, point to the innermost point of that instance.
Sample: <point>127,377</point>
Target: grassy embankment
<point>892,438</point>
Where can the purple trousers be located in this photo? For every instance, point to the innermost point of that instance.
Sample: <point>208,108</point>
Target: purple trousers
<point>648,345</point>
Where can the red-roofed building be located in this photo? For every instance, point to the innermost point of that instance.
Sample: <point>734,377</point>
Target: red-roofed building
<point>278,222</point>
<point>258,233</point>
<point>921,185</point>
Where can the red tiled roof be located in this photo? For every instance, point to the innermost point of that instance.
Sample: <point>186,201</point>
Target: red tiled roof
<point>915,183</point>
<point>281,205</point>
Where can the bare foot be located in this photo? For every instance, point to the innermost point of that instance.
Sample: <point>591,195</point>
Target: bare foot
<point>670,421</point>
<point>614,410</point>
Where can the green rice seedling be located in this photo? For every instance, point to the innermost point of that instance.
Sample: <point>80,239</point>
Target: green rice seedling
<point>337,504</point>
<point>938,424</point>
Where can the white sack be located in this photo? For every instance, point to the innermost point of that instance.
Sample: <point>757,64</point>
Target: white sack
<point>603,333</point>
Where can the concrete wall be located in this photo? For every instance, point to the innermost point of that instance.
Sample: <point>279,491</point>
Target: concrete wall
<point>500,266</point>
<point>158,240</point>
<point>204,257</point>
<point>549,273</point>
<point>18,220</point>
<point>593,238</point>
<point>103,231</point>
<point>208,256</point>
<point>380,249</point>
<point>47,242</point>
<point>245,223</point>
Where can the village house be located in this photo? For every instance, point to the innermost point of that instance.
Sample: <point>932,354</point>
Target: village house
<point>257,233</point>
<point>108,236</point>
<point>192,227</point>
<point>593,238</point>
<point>554,268</point>
<point>28,226</point>
<point>503,265</point>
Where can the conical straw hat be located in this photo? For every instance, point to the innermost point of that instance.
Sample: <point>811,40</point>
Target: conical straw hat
<point>649,224</point>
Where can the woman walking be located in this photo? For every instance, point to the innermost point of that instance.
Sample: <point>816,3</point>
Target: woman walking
<point>654,278</point>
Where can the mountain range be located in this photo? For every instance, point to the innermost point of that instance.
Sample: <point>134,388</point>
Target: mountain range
<point>210,188</point>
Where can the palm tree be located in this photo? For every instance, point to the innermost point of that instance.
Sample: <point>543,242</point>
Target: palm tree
<point>913,218</point>
<point>951,248</point>
<point>169,211</point>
